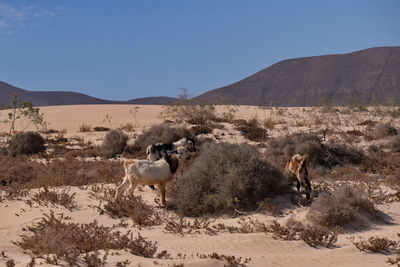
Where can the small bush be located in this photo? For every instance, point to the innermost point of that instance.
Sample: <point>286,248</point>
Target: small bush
<point>52,235</point>
<point>251,130</point>
<point>344,206</point>
<point>114,143</point>
<point>161,133</point>
<point>226,177</point>
<point>281,149</point>
<point>381,130</point>
<point>26,144</point>
<point>377,244</point>
<point>63,198</point>
<point>312,235</point>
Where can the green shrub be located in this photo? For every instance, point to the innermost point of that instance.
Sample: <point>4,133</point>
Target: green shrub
<point>226,177</point>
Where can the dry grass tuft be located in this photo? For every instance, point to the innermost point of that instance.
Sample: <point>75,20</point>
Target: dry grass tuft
<point>376,244</point>
<point>54,197</point>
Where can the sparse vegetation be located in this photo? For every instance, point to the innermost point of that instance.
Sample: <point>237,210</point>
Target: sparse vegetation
<point>312,235</point>
<point>190,111</point>
<point>376,244</point>
<point>20,172</point>
<point>50,232</point>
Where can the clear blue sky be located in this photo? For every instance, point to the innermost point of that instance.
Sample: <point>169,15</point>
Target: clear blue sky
<point>124,49</point>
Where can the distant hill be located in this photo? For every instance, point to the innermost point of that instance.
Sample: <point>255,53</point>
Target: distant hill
<point>371,74</point>
<point>156,100</point>
<point>49,98</point>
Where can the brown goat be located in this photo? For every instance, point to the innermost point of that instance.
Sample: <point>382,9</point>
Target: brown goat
<point>297,166</point>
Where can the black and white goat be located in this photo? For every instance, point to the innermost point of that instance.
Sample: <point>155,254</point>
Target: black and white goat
<point>158,151</point>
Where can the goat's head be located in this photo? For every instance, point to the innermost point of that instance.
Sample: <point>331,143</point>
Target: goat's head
<point>296,163</point>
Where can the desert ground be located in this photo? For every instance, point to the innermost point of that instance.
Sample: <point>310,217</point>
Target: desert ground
<point>73,180</point>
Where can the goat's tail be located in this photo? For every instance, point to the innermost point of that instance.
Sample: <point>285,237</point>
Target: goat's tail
<point>127,162</point>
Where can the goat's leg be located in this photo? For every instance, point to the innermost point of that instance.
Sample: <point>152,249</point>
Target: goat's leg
<point>298,184</point>
<point>121,188</point>
<point>307,186</point>
<point>132,185</point>
<point>161,187</point>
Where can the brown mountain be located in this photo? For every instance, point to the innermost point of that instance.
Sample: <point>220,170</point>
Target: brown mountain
<point>372,75</point>
<point>47,98</point>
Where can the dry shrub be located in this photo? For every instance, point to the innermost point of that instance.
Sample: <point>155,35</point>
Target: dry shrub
<point>344,206</point>
<point>114,143</point>
<point>93,259</point>
<point>183,226</point>
<point>385,164</point>
<point>376,244</point>
<point>26,144</point>
<point>270,123</point>
<point>83,128</point>
<point>246,225</point>
<point>21,173</point>
<point>226,177</point>
<point>312,235</point>
<point>67,240</point>
<point>129,127</point>
<point>251,129</point>
<point>135,208</point>
<point>231,261</point>
<point>394,143</point>
<point>101,129</point>
<point>394,261</point>
<point>281,149</point>
<point>201,129</point>
<point>54,197</point>
<point>381,130</point>
<point>161,133</point>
